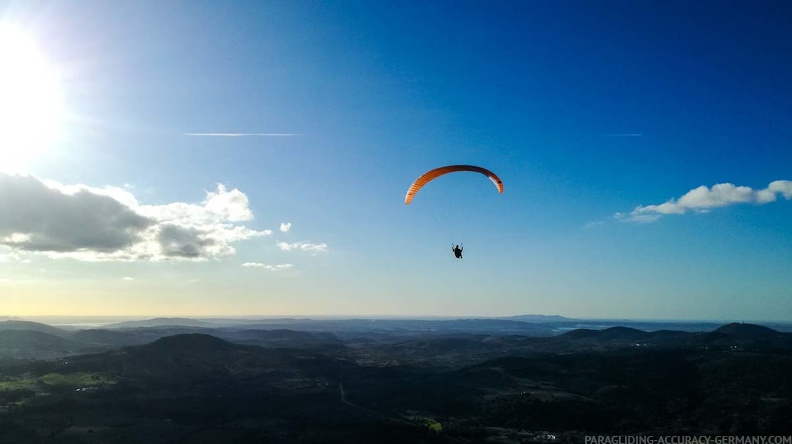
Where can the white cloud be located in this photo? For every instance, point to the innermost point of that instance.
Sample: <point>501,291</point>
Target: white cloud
<point>127,278</point>
<point>107,224</point>
<point>302,246</point>
<point>231,205</point>
<point>703,199</point>
<point>285,227</point>
<point>279,267</point>
<point>10,257</point>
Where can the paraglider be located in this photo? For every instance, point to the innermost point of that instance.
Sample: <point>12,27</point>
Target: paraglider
<point>437,172</point>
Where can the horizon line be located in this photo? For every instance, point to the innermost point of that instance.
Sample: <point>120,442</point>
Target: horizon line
<point>385,316</point>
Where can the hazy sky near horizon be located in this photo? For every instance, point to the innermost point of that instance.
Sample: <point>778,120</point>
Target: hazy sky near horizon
<point>251,158</point>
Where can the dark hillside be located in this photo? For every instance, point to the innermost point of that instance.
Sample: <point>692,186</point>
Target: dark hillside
<point>281,338</point>
<point>31,326</point>
<point>30,344</point>
<point>182,359</point>
<point>110,337</point>
<point>747,331</point>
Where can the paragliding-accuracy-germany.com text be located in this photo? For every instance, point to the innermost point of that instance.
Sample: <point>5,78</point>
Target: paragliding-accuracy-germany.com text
<point>687,439</point>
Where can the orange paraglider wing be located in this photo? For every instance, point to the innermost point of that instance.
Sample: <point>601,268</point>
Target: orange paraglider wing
<point>437,172</point>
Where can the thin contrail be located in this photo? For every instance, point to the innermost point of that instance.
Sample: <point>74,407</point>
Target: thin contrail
<point>243,134</point>
<point>624,135</point>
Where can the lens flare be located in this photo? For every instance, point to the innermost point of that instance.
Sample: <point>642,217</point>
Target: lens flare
<point>30,102</point>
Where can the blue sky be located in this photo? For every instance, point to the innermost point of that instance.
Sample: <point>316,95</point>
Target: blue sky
<point>594,115</point>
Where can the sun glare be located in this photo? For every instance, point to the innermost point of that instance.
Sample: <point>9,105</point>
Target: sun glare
<point>30,102</point>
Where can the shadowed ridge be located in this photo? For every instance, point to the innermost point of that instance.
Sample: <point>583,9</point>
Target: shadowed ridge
<point>622,333</point>
<point>579,333</point>
<point>282,338</point>
<point>192,343</point>
<point>109,337</point>
<point>187,358</point>
<point>26,339</point>
<point>194,356</point>
<point>32,344</point>
<point>607,334</point>
<point>31,326</point>
<point>746,331</point>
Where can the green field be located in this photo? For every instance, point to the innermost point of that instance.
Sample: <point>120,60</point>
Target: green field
<point>77,379</point>
<point>428,422</point>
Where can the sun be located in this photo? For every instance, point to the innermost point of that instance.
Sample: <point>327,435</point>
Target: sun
<point>30,102</point>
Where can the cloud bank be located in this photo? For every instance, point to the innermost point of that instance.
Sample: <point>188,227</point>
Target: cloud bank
<point>279,267</point>
<point>302,246</point>
<point>703,199</point>
<point>109,224</point>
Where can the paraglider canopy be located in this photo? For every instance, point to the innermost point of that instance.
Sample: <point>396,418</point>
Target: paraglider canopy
<point>437,172</point>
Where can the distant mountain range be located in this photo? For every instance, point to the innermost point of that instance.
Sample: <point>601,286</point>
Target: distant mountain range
<point>539,318</point>
<point>413,339</point>
<point>163,322</point>
<point>31,340</point>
